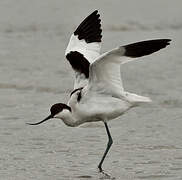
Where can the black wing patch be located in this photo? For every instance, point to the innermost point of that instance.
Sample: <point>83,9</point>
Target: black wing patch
<point>145,47</point>
<point>90,28</point>
<point>78,89</point>
<point>78,62</point>
<point>79,94</point>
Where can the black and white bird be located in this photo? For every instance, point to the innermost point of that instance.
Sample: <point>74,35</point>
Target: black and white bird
<point>98,93</point>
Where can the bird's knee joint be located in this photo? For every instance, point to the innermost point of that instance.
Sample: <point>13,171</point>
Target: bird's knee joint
<point>110,142</point>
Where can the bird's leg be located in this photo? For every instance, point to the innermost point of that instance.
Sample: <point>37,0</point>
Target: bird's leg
<point>110,141</point>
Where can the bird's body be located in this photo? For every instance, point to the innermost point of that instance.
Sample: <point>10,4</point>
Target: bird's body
<point>98,106</point>
<point>98,93</point>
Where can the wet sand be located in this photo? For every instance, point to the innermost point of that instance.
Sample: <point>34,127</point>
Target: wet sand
<point>34,75</point>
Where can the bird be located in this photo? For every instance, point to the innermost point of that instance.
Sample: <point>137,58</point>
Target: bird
<point>98,93</point>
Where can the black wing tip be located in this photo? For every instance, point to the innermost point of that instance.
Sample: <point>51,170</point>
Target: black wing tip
<point>90,28</point>
<point>167,41</point>
<point>95,12</point>
<point>161,43</point>
<point>144,48</point>
<point>164,41</point>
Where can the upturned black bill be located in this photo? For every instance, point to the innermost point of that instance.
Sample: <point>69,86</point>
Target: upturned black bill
<point>47,118</point>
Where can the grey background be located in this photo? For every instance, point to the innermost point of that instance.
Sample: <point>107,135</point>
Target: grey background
<point>34,75</point>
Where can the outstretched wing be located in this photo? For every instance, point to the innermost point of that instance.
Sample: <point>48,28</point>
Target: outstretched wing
<point>105,73</point>
<point>84,47</point>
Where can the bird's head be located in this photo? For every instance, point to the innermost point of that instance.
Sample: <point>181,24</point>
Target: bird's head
<point>57,111</point>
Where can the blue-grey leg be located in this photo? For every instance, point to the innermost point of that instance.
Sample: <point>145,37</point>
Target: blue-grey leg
<point>110,141</point>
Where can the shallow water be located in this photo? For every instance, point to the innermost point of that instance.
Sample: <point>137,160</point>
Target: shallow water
<point>34,75</point>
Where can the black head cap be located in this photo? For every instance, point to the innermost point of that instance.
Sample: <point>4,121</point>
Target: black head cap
<point>56,108</point>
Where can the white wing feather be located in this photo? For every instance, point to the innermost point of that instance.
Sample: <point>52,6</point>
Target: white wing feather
<point>105,72</point>
<point>91,51</point>
<point>84,47</point>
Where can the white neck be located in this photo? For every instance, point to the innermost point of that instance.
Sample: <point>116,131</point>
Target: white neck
<point>68,118</point>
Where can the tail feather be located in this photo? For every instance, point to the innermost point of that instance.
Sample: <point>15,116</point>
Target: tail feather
<point>136,99</point>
